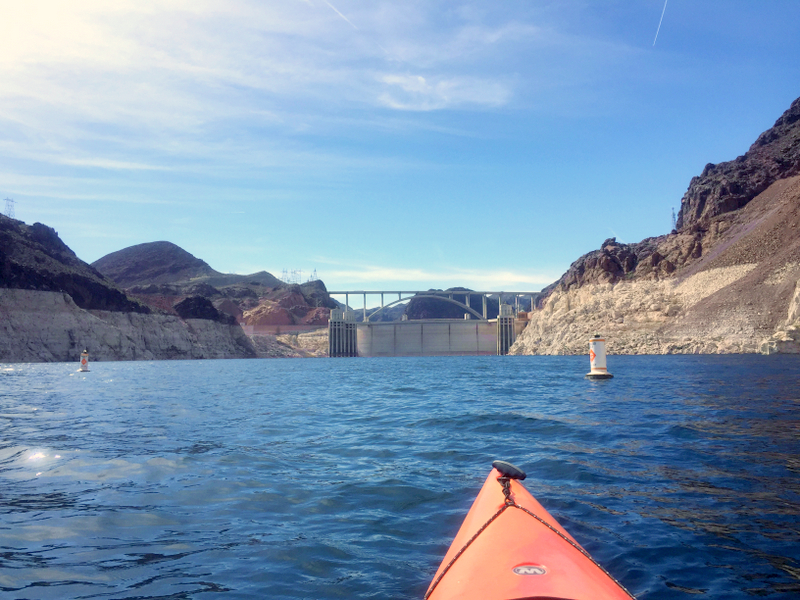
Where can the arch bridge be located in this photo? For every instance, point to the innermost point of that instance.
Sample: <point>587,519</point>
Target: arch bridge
<point>446,295</point>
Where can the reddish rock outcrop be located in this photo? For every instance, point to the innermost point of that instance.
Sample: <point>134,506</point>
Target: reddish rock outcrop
<point>268,313</point>
<point>316,316</point>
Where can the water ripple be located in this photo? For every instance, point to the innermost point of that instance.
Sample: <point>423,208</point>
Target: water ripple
<point>348,478</point>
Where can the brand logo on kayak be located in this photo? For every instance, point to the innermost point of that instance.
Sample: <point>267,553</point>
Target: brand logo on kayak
<point>530,570</point>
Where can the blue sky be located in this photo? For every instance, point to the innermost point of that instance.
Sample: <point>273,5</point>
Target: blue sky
<point>388,145</point>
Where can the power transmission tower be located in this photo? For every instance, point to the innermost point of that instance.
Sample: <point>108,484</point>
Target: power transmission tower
<point>10,208</point>
<point>674,220</point>
<point>291,277</point>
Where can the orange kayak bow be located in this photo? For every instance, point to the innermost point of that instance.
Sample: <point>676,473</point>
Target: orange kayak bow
<point>510,548</point>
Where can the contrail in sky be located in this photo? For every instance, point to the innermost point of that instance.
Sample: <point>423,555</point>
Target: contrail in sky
<point>336,10</point>
<point>338,13</point>
<point>654,40</point>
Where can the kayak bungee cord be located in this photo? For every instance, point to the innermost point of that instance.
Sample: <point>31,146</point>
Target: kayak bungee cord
<point>463,549</point>
<point>509,472</point>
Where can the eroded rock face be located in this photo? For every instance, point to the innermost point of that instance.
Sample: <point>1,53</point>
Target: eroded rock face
<point>268,313</point>
<point>229,308</point>
<point>34,258</point>
<point>316,316</point>
<point>652,259</point>
<point>306,304</point>
<point>786,339</point>
<point>647,317</point>
<point>720,283</point>
<point>735,289</point>
<point>37,326</point>
<point>729,186</point>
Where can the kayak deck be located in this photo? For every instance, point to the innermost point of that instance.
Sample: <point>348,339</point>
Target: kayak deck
<point>509,547</point>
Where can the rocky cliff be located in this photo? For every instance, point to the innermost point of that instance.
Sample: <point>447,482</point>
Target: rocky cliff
<point>33,257</point>
<point>53,305</point>
<point>38,326</point>
<point>170,280</point>
<point>730,185</point>
<point>727,280</point>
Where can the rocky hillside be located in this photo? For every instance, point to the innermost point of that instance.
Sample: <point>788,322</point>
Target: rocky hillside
<point>53,305</point>
<point>730,185</point>
<point>152,263</point>
<point>38,326</point>
<point>33,257</point>
<point>308,304</point>
<point>728,280</point>
<point>157,263</point>
<point>170,280</point>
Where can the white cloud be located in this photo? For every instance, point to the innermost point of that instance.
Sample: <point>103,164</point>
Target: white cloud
<point>409,92</point>
<point>232,85</point>
<point>104,163</point>
<point>179,66</point>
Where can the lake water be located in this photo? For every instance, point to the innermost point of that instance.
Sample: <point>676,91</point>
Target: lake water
<point>348,478</point>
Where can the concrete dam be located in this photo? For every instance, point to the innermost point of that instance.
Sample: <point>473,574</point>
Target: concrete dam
<point>473,335</point>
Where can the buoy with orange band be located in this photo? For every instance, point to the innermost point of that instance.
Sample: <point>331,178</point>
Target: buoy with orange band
<point>597,359</point>
<point>509,547</point>
<point>84,361</point>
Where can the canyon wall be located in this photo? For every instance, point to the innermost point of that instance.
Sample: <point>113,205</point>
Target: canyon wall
<point>670,317</point>
<point>42,326</point>
<point>727,279</point>
<point>728,285</point>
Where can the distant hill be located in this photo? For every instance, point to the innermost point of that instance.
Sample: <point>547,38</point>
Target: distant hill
<point>164,276</point>
<point>433,308</point>
<point>33,257</point>
<point>154,262</point>
<point>53,305</point>
<point>167,263</point>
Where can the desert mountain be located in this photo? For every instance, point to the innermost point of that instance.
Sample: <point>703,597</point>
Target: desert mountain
<point>169,279</point>
<point>152,263</point>
<point>33,257</point>
<point>727,280</point>
<point>156,263</point>
<point>53,305</point>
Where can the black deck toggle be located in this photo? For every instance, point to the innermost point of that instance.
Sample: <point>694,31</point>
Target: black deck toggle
<point>509,470</point>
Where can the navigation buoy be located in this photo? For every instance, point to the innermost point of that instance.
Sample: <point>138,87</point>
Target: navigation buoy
<point>84,361</point>
<point>597,359</point>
